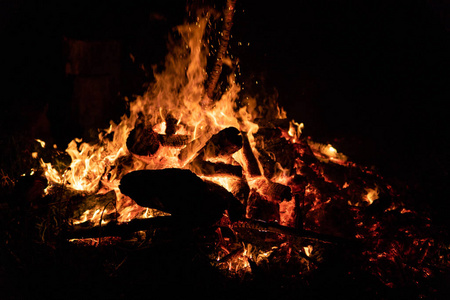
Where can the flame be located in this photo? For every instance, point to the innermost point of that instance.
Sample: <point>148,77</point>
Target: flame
<point>372,195</point>
<point>177,91</point>
<point>308,250</point>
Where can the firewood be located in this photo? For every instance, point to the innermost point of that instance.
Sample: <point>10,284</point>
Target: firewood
<point>175,141</point>
<point>120,229</point>
<point>123,229</point>
<point>207,168</point>
<point>143,141</point>
<point>267,163</point>
<point>221,53</point>
<point>192,148</point>
<point>182,194</point>
<point>224,143</point>
<point>277,191</point>
<point>260,208</point>
<point>274,191</point>
<point>277,228</point>
<point>272,124</point>
<point>250,159</point>
<point>171,125</point>
<point>278,149</point>
<point>79,202</point>
<point>241,190</point>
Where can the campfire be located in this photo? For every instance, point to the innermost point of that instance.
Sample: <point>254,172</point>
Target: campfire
<point>207,167</point>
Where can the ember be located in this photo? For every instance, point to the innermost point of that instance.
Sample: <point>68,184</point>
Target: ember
<point>197,170</point>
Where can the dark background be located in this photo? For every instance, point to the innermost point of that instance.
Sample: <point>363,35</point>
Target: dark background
<point>370,77</point>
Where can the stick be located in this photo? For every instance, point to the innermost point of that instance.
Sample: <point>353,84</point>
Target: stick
<point>120,229</point>
<point>217,69</point>
<point>277,228</point>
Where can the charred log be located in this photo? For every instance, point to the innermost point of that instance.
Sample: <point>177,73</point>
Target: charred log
<point>260,208</point>
<point>171,125</point>
<point>241,190</point>
<point>80,203</point>
<point>221,53</point>
<point>277,191</point>
<point>207,168</point>
<point>275,123</point>
<point>182,194</point>
<point>193,147</point>
<point>120,229</point>
<point>143,141</point>
<point>277,228</point>
<point>276,148</point>
<point>250,159</point>
<point>224,143</point>
<point>175,141</point>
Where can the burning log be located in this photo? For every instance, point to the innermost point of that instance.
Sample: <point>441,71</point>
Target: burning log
<point>274,191</point>
<point>143,140</point>
<point>171,125</point>
<point>260,208</point>
<point>175,141</point>
<point>224,143</point>
<point>182,194</point>
<point>271,145</point>
<point>207,168</point>
<point>225,38</point>
<point>251,162</point>
<point>80,203</point>
<point>120,229</point>
<point>277,228</point>
<point>275,123</point>
<point>277,191</point>
<point>241,190</point>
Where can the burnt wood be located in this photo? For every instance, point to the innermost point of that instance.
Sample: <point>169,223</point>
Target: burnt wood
<point>182,194</point>
<point>207,168</point>
<point>143,140</point>
<point>224,143</point>
<point>250,159</point>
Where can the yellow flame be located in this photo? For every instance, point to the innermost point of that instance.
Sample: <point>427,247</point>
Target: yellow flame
<point>308,250</point>
<point>372,195</point>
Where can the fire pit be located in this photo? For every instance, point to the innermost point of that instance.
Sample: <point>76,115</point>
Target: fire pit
<point>199,188</point>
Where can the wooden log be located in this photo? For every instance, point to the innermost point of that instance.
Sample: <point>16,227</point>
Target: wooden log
<point>221,53</point>
<point>277,191</point>
<point>120,229</point>
<point>251,162</point>
<point>171,125</point>
<point>175,141</point>
<point>241,190</point>
<point>190,151</point>
<point>283,124</point>
<point>182,194</point>
<point>80,202</point>
<point>258,207</point>
<point>224,143</point>
<point>123,229</point>
<point>277,228</point>
<point>277,148</point>
<point>267,163</point>
<point>207,168</point>
<point>143,140</point>
<point>273,191</point>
